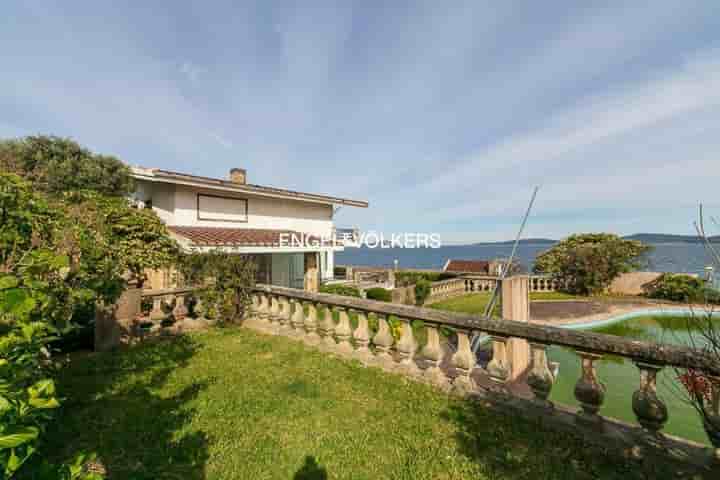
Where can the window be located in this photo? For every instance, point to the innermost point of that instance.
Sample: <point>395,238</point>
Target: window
<point>222,209</point>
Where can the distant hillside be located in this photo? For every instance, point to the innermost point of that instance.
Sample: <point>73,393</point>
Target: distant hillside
<point>666,238</point>
<point>643,237</point>
<point>524,241</point>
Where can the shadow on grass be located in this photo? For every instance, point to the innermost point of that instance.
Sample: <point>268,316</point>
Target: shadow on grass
<point>511,447</point>
<point>121,406</point>
<point>311,470</point>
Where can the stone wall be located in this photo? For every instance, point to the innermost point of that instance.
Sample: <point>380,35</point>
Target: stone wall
<point>632,283</point>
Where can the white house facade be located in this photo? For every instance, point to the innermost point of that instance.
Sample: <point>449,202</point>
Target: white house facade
<point>232,215</point>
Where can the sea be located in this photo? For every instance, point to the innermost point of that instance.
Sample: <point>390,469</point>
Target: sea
<point>678,257</point>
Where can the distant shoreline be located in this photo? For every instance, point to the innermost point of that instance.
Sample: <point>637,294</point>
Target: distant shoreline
<point>653,238</point>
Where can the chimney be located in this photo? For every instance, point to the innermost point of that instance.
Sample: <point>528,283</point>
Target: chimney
<point>238,175</point>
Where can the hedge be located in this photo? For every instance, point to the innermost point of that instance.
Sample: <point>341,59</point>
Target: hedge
<point>340,289</point>
<point>379,293</point>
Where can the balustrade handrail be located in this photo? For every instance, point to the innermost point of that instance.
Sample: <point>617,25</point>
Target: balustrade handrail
<point>446,281</point>
<point>639,351</point>
<point>168,291</point>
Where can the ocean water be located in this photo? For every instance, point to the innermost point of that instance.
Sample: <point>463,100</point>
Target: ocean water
<point>665,257</point>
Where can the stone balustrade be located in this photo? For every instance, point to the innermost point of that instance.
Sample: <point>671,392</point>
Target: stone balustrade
<point>443,289</point>
<point>483,283</point>
<point>542,283</point>
<point>341,325</point>
<point>169,309</point>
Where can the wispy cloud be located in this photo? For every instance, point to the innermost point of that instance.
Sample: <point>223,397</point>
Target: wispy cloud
<point>444,117</point>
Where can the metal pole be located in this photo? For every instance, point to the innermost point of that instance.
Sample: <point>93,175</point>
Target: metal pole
<point>498,285</point>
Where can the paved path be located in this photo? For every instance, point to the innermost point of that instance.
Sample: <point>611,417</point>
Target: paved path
<point>568,312</point>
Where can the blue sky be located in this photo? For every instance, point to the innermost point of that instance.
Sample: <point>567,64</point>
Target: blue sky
<point>443,115</point>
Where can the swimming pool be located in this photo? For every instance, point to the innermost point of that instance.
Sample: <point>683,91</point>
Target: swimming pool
<point>621,377</point>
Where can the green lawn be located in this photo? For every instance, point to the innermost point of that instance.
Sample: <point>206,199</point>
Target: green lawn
<point>234,404</point>
<point>477,302</point>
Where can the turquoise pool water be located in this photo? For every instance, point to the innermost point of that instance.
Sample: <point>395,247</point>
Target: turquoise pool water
<point>621,377</point>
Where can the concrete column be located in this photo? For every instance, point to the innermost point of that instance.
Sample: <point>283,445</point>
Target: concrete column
<point>516,306</point>
<point>312,272</point>
<point>330,264</point>
<point>114,323</point>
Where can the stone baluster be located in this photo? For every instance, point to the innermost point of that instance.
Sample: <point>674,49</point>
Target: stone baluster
<point>540,378</point>
<point>361,336</point>
<point>180,311</point>
<point>157,312</point>
<point>311,323</point>
<point>254,303</point>
<point>649,409</point>
<point>284,315</point>
<point>406,348</point>
<point>274,312</point>
<point>298,318</point>
<point>264,308</point>
<point>463,363</point>
<point>327,327</point>
<point>432,357</point>
<point>343,332</point>
<point>383,341</point>
<point>498,367</point>
<point>589,391</point>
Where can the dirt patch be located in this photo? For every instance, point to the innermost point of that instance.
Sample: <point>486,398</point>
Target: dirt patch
<point>570,309</point>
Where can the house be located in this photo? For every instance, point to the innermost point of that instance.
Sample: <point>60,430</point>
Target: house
<point>478,267</point>
<point>287,233</point>
<point>492,268</point>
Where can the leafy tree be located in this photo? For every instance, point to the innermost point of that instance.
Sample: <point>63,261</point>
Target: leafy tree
<point>587,263</point>
<point>55,165</point>
<point>60,252</point>
<point>37,295</point>
<point>681,288</point>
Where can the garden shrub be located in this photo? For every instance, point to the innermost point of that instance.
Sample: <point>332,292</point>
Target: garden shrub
<point>340,289</point>
<point>681,288</point>
<point>225,282</point>
<point>406,278</point>
<point>422,291</point>
<point>378,293</point>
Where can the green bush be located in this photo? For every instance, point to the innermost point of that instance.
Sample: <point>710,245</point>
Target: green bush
<point>226,281</point>
<point>339,289</point>
<point>681,288</point>
<point>378,293</point>
<point>422,291</point>
<point>405,278</point>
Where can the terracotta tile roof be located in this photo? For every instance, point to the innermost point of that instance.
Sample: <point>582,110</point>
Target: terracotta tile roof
<point>235,237</point>
<point>469,266</point>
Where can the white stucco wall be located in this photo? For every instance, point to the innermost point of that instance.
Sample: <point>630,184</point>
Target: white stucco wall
<point>177,205</point>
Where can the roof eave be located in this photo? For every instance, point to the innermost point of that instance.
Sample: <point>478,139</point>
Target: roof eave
<point>154,175</point>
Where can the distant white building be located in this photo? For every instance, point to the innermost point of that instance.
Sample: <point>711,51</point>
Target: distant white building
<point>235,216</point>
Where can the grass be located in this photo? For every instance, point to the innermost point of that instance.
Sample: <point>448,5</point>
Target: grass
<point>234,404</point>
<point>476,303</point>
